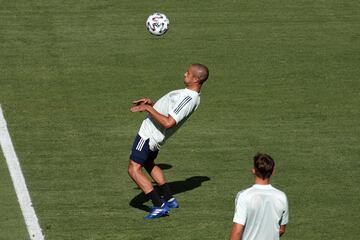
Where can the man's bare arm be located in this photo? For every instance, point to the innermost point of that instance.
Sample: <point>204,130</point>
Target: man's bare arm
<point>165,121</point>
<point>282,230</point>
<point>236,231</point>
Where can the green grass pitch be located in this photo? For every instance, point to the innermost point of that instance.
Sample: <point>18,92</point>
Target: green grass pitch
<point>284,79</point>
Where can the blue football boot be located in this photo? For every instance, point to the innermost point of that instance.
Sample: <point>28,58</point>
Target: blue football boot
<point>172,203</point>
<point>157,212</point>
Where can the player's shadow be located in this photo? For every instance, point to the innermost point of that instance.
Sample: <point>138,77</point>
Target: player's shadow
<point>176,187</point>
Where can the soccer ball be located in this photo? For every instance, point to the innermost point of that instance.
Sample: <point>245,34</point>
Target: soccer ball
<point>157,24</point>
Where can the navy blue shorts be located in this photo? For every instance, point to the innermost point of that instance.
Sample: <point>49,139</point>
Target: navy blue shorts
<point>140,152</point>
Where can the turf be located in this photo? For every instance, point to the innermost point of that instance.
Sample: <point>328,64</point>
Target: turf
<point>11,221</point>
<point>284,79</point>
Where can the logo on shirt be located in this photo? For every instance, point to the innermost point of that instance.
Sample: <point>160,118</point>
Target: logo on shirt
<point>182,104</point>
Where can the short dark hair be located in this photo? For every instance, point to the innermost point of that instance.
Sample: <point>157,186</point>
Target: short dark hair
<point>263,165</point>
<point>202,72</point>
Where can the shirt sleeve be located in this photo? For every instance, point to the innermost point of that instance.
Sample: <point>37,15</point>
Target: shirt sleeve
<point>285,215</point>
<point>182,109</point>
<point>240,209</point>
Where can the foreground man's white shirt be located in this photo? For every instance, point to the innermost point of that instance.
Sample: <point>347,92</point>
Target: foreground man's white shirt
<point>261,209</point>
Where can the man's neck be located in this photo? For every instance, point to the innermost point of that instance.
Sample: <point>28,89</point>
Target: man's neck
<point>194,87</point>
<point>261,181</point>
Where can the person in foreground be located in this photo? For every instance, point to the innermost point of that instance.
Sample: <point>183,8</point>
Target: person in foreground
<point>261,211</point>
<point>164,118</point>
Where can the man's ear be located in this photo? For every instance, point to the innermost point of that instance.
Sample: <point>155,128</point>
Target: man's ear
<point>197,79</point>
<point>253,171</point>
<point>273,172</point>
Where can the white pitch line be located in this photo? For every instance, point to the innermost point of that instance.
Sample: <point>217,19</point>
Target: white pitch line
<point>18,179</point>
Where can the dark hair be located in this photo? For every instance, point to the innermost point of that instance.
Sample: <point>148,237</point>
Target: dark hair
<point>202,72</point>
<point>264,165</point>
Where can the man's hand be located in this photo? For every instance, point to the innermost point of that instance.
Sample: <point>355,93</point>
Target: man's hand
<point>146,101</point>
<point>145,104</point>
<point>139,108</point>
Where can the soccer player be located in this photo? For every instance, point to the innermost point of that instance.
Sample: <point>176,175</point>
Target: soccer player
<point>261,211</point>
<point>164,118</point>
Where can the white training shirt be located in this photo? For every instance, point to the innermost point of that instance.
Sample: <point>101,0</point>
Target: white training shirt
<point>179,104</point>
<point>261,209</point>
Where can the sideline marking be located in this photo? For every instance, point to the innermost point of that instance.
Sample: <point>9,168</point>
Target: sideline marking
<point>31,220</point>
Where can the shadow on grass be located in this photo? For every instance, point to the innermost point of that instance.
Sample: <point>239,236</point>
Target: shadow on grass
<point>176,188</point>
